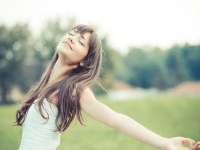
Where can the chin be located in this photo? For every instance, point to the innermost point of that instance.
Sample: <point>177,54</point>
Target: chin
<point>60,49</point>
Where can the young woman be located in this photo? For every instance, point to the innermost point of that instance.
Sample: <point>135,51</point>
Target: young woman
<point>64,91</point>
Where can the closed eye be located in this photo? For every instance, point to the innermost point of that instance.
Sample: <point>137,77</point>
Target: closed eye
<point>71,34</point>
<point>81,43</point>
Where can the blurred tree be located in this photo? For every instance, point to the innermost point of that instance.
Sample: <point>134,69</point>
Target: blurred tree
<point>151,67</point>
<point>109,65</point>
<point>14,43</point>
<point>121,71</point>
<point>145,67</point>
<point>191,58</point>
<point>157,72</point>
<point>177,70</point>
<point>135,62</point>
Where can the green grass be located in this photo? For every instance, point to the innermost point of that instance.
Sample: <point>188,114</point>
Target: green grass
<point>166,115</point>
<point>9,135</point>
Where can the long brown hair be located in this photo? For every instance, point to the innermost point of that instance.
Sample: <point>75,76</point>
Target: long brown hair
<point>83,76</point>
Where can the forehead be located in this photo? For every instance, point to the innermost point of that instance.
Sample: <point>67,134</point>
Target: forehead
<point>85,35</point>
<point>83,29</point>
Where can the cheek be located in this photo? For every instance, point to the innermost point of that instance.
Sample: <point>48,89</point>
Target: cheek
<point>81,55</point>
<point>60,48</point>
<point>82,52</point>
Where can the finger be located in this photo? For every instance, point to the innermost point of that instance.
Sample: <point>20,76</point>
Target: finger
<point>190,145</point>
<point>198,145</point>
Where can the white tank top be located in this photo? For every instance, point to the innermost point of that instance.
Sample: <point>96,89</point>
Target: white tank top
<point>38,133</point>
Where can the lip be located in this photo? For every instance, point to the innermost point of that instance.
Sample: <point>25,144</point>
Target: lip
<point>68,44</point>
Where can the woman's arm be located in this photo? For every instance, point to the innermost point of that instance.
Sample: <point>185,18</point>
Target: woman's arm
<point>127,125</point>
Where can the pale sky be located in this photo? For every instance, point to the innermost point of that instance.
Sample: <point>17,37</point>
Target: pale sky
<point>126,22</point>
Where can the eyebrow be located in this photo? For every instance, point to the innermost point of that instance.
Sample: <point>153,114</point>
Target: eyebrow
<point>83,37</point>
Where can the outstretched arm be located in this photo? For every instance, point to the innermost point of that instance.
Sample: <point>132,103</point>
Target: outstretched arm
<point>127,125</point>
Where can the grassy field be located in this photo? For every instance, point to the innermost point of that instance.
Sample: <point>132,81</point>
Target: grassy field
<point>166,115</point>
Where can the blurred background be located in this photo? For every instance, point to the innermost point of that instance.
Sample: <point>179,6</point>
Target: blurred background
<point>151,63</point>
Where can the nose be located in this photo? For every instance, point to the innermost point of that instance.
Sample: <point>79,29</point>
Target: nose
<point>72,39</point>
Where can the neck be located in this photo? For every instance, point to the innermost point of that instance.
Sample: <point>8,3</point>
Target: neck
<point>60,71</point>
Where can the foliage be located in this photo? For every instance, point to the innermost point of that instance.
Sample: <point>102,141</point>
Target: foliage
<point>145,68</point>
<point>109,65</point>
<point>191,57</point>
<point>151,67</point>
<point>175,64</point>
<point>14,45</point>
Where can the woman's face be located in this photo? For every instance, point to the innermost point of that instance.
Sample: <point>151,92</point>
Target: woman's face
<point>73,47</point>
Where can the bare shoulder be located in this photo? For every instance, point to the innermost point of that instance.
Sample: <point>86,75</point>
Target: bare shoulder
<point>87,91</point>
<point>96,109</point>
<point>87,100</point>
<point>87,94</point>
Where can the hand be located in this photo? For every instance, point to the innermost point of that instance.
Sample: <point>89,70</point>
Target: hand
<point>195,147</point>
<point>178,143</point>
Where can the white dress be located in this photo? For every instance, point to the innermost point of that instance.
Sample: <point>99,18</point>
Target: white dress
<point>38,133</point>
